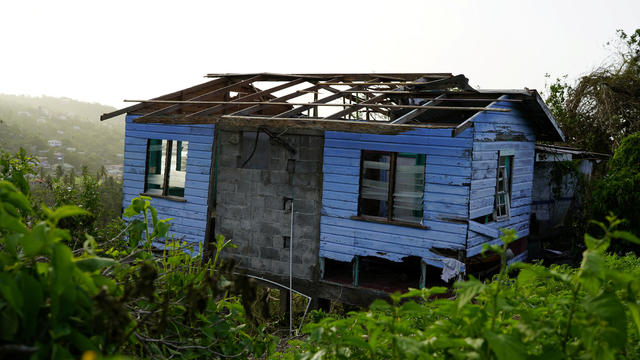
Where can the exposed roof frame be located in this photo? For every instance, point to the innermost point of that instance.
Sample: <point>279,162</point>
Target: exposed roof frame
<point>179,93</point>
<point>252,109</point>
<point>258,94</point>
<point>325,99</point>
<point>393,94</point>
<point>422,82</point>
<point>415,112</point>
<point>343,76</point>
<point>222,90</point>
<point>320,102</point>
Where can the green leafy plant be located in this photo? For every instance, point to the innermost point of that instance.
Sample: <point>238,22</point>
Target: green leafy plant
<point>527,311</point>
<point>619,190</point>
<point>131,299</point>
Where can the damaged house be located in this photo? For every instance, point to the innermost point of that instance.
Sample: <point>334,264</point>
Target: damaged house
<point>350,181</point>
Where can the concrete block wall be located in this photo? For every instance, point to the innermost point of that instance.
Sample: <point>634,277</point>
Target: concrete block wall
<point>251,207</point>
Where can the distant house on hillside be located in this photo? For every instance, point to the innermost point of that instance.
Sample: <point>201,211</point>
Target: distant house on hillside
<point>54,143</point>
<point>43,161</point>
<point>114,170</point>
<point>394,180</point>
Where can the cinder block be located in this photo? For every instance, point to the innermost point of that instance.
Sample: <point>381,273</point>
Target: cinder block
<point>280,267</point>
<point>228,186</point>
<point>279,177</point>
<point>265,177</point>
<point>305,206</point>
<point>246,187</point>
<point>305,220</point>
<point>269,253</point>
<point>305,167</point>
<point>267,228</point>
<point>226,226</point>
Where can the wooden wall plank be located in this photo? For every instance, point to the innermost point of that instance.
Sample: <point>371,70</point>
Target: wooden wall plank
<point>446,194</point>
<point>492,133</point>
<point>189,217</point>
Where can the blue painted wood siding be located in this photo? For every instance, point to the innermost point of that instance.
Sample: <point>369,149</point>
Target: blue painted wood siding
<point>189,217</point>
<point>446,195</point>
<point>494,131</point>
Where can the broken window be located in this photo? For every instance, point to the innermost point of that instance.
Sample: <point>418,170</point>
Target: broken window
<point>166,167</point>
<point>503,187</point>
<point>256,152</point>
<point>392,186</point>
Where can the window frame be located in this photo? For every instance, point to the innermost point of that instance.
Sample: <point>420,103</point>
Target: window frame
<point>166,171</point>
<point>509,157</point>
<point>393,156</point>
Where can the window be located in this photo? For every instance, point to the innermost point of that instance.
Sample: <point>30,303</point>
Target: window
<point>503,187</point>
<point>256,148</point>
<point>159,180</point>
<point>392,186</point>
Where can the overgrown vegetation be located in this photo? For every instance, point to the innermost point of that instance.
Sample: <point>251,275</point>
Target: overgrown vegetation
<point>602,107</point>
<point>542,313</point>
<point>60,301</point>
<point>117,296</point>
<point>619,190</point>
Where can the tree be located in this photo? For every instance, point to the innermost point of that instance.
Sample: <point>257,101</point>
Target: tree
<point>602,107</point>
<point>619,190</point>
<point>59,172</point>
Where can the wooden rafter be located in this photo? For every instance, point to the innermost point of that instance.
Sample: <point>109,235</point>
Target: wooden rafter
<point>382,93</point>
<point>221,107</point>
<point>262,105</point>
<point>357,106</point>
<point>415,112</point>
<point>222,90</point>
<point>180,93</point>
<point>341,76</point>
<point>320,102</point>
<point>350,95</point>
<point>324,100</point>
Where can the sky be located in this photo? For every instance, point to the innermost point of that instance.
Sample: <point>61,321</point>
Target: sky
<point>108,51</point>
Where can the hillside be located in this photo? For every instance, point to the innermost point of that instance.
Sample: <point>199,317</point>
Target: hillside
<point>62,131</point>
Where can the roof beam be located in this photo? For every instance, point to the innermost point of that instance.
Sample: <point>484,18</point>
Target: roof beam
<point>345,76</point>
<point>163,97</point>
<point>207,94</point>
<point>221,107</point>
<point>325,99</point>
<point>350,96</point>
<point>374,99</point>
<point>324,125</point>
<point>415,112</point>
<point>318,103</point>
<point>252,109</point>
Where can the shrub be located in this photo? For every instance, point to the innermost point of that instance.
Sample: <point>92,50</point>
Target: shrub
<point>540,313</point>
<point>619,191</point>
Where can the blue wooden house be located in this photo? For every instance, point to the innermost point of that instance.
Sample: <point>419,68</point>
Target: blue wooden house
<point>342,181</point>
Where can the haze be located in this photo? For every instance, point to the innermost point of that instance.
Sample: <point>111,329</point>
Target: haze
<point>109,51</point>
